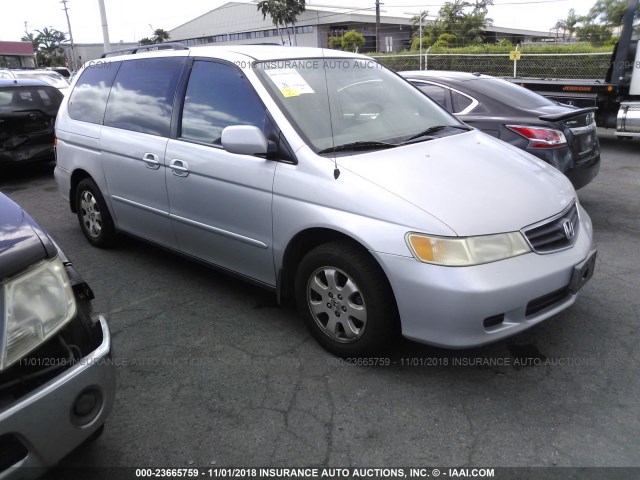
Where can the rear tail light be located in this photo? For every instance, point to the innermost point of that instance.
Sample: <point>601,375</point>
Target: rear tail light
<point>540,137</point>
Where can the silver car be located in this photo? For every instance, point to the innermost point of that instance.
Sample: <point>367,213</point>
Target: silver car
<point>326,178</point>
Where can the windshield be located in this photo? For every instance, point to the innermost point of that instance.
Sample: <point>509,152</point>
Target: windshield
<point>340,102</point>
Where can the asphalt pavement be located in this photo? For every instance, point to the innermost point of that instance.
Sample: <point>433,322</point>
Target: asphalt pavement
<point>211,371</point>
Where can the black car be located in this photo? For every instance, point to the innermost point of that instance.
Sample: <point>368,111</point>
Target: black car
<point>561,135</point>
<point>57,381</point>
<point>28,110</point>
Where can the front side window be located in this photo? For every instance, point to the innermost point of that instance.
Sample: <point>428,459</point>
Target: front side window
<point>141,98</point>
<point>89,97</point>
<point>218,96</point>
<point>338,102</point>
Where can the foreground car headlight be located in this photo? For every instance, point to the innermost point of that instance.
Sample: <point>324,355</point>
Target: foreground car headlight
<point>37,303</point>
<point>459,252</point>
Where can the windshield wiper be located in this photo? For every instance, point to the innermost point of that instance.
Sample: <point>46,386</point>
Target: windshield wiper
<point>358,146</point>
<point>435,129</point>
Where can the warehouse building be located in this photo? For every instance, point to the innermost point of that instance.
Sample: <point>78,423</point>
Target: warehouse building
<point>241,23</point>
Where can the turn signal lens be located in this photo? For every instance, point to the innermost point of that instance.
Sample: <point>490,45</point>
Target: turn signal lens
<point>540,137</point>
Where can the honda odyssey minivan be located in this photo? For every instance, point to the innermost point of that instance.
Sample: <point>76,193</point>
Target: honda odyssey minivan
<point>325,177</point>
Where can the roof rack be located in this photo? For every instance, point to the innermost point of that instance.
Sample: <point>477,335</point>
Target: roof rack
<point>147,48</point>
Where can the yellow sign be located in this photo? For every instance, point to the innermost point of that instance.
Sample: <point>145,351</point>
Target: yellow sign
<point>515,55</point>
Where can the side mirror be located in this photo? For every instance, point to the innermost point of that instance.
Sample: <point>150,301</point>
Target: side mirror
<point>244,140</point>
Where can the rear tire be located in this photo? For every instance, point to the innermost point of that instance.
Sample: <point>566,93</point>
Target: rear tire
<point>94,217</point>
<point>346,300</point>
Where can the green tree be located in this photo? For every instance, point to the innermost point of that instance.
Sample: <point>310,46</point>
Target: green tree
<point>31,37</point>
<point>275,10</point>
<point>465,20</point>
<point>47,43</point>
<point>352,41</point>
<point>569,24</point>
<point>608,12</point>
<point>427,41</point>
<point>159,36</point>
<point>335,43</point>
<point>595,34</point>
<point>282,13</point>
<point>292,11</point>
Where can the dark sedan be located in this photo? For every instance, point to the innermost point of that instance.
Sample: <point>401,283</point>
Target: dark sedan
<point>28,110</point>
<point>561,135</point>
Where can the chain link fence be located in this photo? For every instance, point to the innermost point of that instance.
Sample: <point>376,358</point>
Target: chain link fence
<point>539,65</point>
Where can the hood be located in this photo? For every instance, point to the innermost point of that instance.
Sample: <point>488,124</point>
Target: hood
<point>475,184</point>
<point>22,240</point>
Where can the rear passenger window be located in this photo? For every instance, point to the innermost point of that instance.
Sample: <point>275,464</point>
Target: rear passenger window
<point>89,97</point>
<point>142,95</point>
<point>460,102</point>
<point>218,96</point>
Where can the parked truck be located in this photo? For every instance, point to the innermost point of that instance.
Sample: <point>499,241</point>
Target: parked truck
<point>617,97</point>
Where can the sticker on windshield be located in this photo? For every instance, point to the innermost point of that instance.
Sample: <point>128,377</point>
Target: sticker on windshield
<point>289,82</point>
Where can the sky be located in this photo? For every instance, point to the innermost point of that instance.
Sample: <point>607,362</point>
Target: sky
<point>130,20</point>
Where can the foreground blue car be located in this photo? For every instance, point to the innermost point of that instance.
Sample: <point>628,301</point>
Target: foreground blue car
<point>57,383</point>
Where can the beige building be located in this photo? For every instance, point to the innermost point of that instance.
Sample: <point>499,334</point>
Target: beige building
<point>242,23</point>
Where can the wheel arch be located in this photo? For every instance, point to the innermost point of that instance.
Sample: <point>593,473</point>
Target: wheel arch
<point>302,243</point>
<point>76,177</point>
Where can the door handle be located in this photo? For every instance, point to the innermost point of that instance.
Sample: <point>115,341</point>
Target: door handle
<point>151,160</point>
<point>179,168</point>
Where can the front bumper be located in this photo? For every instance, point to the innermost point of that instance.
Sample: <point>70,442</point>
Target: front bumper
<point>42,420</point>
<point>449,306</point>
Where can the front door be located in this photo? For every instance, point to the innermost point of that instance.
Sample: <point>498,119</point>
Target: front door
<point>220,203</point>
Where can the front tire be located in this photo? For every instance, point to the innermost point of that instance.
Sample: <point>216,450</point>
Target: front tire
<point>346,301</point>
<point>94,217</point>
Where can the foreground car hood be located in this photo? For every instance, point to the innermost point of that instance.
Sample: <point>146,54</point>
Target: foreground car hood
<point>22,241</point>
<point>475,184</point>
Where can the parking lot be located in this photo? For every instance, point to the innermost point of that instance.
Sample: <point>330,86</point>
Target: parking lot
<point>211,371</point>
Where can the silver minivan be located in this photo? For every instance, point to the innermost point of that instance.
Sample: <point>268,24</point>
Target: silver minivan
<point>329,179</point>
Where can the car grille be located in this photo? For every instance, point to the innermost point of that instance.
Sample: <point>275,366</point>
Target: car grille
<point>556,234</point>
<point>11,451</point>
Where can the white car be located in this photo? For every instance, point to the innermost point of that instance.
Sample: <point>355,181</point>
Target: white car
<point>48,76</point>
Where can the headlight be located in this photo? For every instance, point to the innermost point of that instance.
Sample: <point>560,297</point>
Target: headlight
<point>37,304</point>
<point>459,252</point>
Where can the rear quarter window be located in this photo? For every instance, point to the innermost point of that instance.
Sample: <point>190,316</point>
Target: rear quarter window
<point>88,100</point>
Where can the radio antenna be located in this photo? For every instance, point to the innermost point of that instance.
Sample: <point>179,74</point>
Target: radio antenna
<point>336,170</point>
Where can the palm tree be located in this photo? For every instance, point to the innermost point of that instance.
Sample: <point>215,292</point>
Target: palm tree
<point>283,13</point>
<point>273,8</point>
<point>160,35</point>
<point>50,39</point>
<point>30,37</point>
<point>293,10</point>
<point>569,24</point>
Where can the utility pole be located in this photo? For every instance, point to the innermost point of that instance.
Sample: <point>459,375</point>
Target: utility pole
<point>73,48</point>
<point>105,27</point>
<point>377,25</point>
